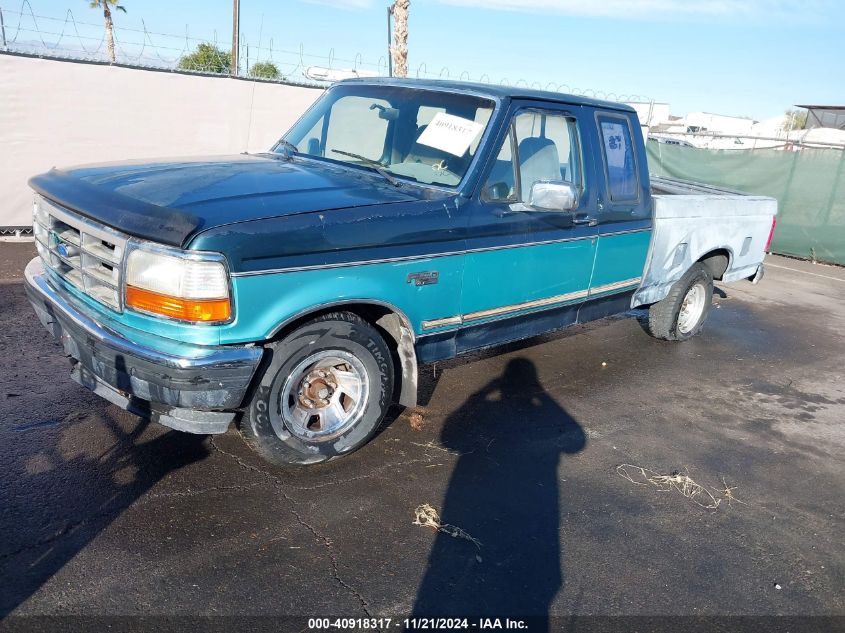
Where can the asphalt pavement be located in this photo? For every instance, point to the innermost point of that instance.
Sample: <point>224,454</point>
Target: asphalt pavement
<point>533,454</point>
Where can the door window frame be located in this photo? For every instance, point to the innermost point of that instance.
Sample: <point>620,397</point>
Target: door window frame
<point>510,136</point>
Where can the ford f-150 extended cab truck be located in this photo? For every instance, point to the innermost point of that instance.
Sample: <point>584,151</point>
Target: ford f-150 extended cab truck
<point>296,292</point>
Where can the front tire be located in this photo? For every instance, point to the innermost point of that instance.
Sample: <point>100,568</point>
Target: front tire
<point>682,313</point>
<point>325,392</point>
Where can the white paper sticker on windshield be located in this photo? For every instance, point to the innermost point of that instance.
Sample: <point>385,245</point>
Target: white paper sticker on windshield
<point>450,133</point>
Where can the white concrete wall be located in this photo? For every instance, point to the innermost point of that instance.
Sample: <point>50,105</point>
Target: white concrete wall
<point>58,113</point>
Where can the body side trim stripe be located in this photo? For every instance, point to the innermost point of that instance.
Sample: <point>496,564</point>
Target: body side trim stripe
<point>407,258</point>
<point>618,285</point>
<point>455,320</point>
<point>548,302</point>
<point>517,307</point>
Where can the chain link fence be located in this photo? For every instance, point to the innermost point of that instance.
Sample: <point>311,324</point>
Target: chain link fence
<point>25,30</point>
<point>29,30</point>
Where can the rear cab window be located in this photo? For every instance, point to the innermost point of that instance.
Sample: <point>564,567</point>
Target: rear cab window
<point>619,158</point>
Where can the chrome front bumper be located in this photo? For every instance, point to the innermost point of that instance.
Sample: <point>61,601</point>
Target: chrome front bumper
<point>187,387</point>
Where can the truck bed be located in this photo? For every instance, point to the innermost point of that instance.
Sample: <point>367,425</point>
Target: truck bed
<point>692,221</point>
<point>672,186</point>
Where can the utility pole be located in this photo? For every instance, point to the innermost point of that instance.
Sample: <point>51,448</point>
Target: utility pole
<point>236,14</point>
<point>389,42</point>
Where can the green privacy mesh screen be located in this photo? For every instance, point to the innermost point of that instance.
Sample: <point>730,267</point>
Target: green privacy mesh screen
<point>808,184</point>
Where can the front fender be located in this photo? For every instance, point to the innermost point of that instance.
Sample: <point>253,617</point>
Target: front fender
<point>267,301</point>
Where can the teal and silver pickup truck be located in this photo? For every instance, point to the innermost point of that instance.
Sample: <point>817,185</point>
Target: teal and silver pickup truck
<point>296,292</point>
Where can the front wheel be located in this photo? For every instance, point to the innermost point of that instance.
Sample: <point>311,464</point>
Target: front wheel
<point>682,313</point>
<point>325,392</point>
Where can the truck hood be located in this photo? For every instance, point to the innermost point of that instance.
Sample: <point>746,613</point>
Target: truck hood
<point>171,201</point>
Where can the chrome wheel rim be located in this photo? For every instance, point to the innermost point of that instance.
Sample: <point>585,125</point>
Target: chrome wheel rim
<point>692,308</point>
<point>324,396</point>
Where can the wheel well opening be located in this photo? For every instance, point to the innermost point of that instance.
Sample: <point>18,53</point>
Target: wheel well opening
<point>396,333</point>
<point>369,312</point>
<point>717,262</point>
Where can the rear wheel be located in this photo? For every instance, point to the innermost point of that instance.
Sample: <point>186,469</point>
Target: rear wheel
<point>682,314</point>
<point>325,392</point>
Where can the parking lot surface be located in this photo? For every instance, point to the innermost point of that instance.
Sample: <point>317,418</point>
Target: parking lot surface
<point>103,513</point>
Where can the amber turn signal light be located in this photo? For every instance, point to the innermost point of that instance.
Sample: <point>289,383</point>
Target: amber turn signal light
<point>196,310</point>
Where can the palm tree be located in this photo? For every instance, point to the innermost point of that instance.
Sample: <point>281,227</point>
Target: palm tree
<point>399,50</point>
<point>107,8</point>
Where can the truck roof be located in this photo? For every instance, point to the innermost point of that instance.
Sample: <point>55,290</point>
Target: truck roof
<point>492,90</point>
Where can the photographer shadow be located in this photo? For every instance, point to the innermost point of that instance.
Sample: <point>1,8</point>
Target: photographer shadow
<point>503,492</point>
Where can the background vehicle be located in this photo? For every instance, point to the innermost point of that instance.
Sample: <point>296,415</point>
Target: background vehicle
<point>397,223</point>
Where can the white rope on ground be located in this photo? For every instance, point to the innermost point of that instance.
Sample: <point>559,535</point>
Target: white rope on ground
<point>427,516</point>
<point>680,482</point>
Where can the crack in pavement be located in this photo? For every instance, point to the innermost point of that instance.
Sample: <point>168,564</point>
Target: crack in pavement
<point>196,492</point>
<point>376,473</point>
<point>71,528</point>
<point>326,541</point>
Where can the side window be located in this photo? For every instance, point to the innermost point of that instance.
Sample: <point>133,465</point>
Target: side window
<point>619,158</point>
<point>547,149</point>
<point>360,128</point>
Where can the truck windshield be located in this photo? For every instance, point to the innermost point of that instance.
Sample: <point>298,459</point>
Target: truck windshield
<point>423,135</point>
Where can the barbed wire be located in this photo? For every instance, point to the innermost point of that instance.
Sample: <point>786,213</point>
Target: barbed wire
<point>70,38</point>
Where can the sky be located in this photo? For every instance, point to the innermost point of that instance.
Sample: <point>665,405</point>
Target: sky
<point>753,58</point>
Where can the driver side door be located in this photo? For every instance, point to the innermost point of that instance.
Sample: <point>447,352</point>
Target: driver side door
<point>527,270</point>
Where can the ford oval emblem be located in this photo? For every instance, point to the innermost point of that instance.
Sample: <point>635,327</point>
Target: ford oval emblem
<point>61,249</point>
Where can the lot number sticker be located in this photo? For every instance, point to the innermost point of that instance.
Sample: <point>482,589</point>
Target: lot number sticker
<point>450,133</point>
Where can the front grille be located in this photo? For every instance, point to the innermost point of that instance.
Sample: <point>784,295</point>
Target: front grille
<point>83,253</point>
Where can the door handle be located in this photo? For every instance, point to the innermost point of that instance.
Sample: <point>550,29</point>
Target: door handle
<point>584,219</point>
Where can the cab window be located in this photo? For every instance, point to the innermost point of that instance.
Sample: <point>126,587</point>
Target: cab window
<point>544,146</point>
<point>618,148</point>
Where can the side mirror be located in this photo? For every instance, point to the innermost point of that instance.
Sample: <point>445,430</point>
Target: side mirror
<point>553,195</point>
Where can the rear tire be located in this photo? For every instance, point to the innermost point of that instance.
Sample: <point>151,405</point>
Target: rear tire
<point>682,314</point>
<point>327,388</point>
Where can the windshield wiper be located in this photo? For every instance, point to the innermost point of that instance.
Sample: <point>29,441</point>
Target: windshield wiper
<point>374,164</point>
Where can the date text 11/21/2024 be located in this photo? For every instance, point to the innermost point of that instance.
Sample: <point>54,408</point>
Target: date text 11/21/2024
<point>418,624</point>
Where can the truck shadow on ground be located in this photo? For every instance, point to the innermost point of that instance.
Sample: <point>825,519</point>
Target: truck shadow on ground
<point>510,436</point>
<point>88,489</point>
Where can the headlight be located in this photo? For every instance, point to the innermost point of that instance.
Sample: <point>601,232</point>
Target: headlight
<point>181,285</point>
